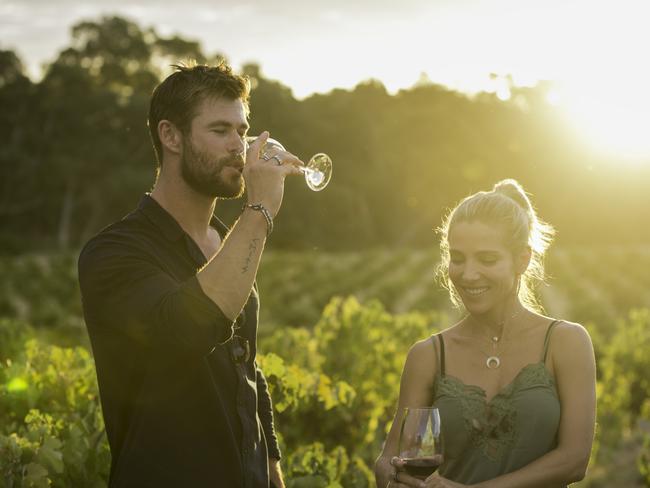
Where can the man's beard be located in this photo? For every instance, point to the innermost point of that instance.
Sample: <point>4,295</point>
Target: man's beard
<point>202,173</point>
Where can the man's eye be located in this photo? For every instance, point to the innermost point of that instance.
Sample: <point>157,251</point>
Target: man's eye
<point>488,261</point>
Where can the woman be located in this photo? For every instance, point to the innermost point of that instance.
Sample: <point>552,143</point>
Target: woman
<point>515,389</point>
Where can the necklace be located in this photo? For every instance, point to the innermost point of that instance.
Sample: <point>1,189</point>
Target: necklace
<point>493,360</point>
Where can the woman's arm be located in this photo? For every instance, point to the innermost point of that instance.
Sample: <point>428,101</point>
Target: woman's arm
<point>572,356</point>
<point>416,390</point>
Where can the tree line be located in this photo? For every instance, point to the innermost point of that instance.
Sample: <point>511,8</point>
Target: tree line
<point>75,153</point>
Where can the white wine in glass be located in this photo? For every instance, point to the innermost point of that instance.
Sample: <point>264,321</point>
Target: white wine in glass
<point>419,441</point>
<point>317,171</point>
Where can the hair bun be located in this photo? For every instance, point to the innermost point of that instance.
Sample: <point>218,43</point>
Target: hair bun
<point>512,189</point>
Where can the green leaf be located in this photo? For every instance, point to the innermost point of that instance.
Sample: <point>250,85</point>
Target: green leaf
<point>36,476</point>
<point>50,455</point>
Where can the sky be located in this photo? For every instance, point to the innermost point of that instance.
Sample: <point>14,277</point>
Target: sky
<point>594,50</point>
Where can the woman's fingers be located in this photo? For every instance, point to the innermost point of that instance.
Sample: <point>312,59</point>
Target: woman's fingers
<point>408,480</point>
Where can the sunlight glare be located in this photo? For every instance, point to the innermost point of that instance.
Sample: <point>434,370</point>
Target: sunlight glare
<point>603,86</point>
<point>614,119</point>
<point>17,385</point>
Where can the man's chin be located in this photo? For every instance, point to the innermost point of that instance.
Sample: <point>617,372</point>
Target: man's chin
<point>231,192</point>
<point>220,190</point>
<point>225,193</point>
<point>230,196</point>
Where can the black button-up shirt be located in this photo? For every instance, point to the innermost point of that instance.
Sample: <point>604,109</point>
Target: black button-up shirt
<point>184,403</point>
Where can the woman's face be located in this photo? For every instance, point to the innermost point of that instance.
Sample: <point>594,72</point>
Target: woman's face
<point>482,268</point>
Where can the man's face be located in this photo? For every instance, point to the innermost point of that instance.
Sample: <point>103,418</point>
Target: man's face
<point>212,159</point>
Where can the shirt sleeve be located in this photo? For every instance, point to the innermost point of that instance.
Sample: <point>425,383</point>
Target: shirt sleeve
<point>124,291</point>
<point>265,412</point>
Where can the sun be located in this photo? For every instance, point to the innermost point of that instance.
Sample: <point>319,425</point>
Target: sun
<point>611,117</point>
<point>603,81</point>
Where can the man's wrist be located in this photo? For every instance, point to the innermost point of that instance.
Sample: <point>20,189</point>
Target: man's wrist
<point>258,207</point>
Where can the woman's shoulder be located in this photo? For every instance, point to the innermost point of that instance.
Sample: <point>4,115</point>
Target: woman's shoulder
<point>555,327</point>
<point>423,349</point>
<point>433,338</point>
<point>564,330</point>
<point>427,349</point>
<point>569,338</point>
<point>420,365</point>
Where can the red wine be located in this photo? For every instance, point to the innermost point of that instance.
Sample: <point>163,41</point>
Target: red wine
<point>421,467</point>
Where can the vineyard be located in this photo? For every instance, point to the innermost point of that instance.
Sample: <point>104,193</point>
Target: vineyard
<point>585,285</point>
<point>335,329</point>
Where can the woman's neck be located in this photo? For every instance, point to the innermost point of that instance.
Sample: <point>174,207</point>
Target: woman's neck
<point>497,324</point>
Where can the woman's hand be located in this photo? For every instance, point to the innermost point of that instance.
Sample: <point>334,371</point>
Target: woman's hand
<point>400,478</point>
<point>437,481</point>
<point>386,475</point>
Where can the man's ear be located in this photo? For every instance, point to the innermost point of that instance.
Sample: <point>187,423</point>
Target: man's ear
<point>523,260</point>
<point>170,137</point>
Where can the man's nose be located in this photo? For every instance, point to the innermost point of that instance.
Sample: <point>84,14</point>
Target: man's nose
<point>237,145</point>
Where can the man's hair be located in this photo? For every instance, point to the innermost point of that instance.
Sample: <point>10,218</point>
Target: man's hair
<point>178,96</point>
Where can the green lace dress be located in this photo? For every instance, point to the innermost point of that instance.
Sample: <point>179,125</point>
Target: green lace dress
<point>482,440</point>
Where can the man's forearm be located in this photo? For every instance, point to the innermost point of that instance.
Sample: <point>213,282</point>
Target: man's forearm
<point>228,277</point>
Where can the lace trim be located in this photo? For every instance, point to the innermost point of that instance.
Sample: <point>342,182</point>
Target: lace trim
<point>491,425</point>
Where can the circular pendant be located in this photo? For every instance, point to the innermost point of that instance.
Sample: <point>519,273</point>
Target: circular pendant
<point>493,362</point>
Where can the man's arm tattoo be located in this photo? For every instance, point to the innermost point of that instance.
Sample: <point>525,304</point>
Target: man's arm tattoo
<point>252,247</point>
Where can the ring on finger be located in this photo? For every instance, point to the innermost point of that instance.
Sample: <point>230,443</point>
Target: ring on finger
<point>267,156</point>
<point>277,158</point>
<point>393,477</point>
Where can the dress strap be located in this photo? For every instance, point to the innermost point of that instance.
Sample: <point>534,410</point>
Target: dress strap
<point>441,356</point>
<point>547,339</point>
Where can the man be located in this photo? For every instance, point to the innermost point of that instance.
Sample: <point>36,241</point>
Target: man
<point>170,300</point>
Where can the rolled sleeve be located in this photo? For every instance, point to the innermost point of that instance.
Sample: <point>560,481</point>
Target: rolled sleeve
<point>124,291</point>
<point>265,412</point>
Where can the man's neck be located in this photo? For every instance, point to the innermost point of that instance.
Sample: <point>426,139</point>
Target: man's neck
<point>190,209</point>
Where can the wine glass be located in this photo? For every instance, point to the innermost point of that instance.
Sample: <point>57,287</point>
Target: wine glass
<point>419,445</point>
<point>317,171</point>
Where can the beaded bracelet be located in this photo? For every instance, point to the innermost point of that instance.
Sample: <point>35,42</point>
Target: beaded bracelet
<point>267,216</point>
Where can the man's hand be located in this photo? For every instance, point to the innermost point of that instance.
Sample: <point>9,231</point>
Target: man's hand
<point>265,177</point>
<point>275,473</point>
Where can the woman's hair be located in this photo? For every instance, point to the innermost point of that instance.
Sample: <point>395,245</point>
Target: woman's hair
<point>508,206</point>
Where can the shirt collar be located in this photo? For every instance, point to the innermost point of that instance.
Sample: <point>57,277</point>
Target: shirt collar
<point>166,223</point>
